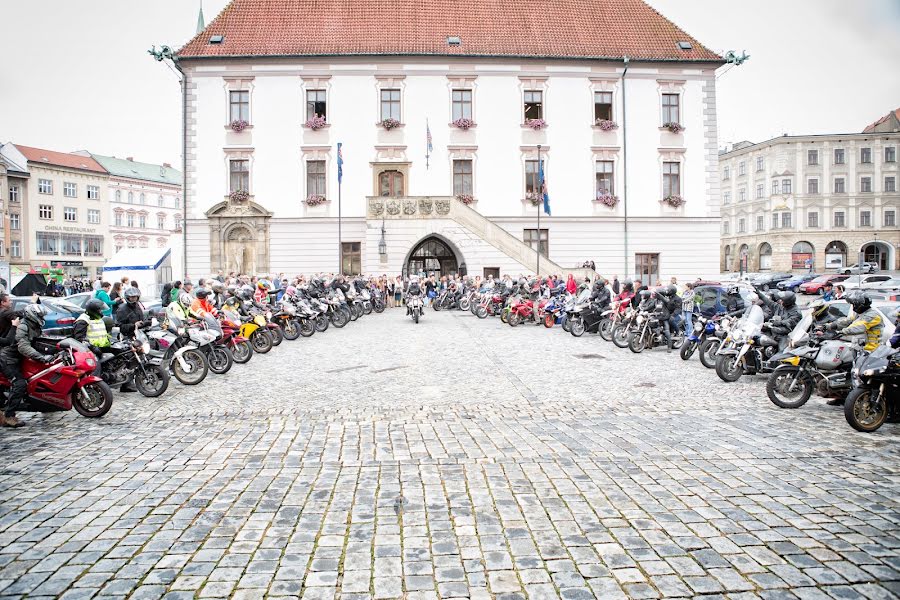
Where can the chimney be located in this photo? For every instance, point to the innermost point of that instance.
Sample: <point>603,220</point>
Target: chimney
<point>130,159</point>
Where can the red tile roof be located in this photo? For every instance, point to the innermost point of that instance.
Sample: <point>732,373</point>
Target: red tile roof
<point>872,127</point>
<point>60,159</point>
<point>519,28</point>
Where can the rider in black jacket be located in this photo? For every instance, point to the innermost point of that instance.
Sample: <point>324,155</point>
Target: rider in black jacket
<point>785,315</point>
<point>600,294</point>
<point>734,304</point>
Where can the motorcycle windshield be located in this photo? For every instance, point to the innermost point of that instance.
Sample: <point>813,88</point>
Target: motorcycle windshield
<point>882,352</point>
<point>73,344</point>
<point>232,316</point>
<point>174,320</point>
<point>584,295</point>
<point>799,332</point>
<point>751,324</point>
<point>213,325</point>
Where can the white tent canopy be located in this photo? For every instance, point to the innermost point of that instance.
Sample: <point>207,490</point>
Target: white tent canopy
<point>150,267</point>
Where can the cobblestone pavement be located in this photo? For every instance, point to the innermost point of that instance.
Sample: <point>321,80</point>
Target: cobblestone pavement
<point>451,459</point>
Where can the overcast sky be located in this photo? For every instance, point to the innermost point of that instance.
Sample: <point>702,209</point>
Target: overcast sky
<point>76,74</point>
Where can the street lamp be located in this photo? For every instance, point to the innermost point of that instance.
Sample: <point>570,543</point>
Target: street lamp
<point>382,244</point>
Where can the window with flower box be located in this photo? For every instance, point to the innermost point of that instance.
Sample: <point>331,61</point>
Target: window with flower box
<point>316,104</point>
<point>603,106</point>
<point>605,176</point>
<point>70,190</point>
<point>93,192</point>
<point>390,104</point>
<point>534,104</point>
<point>461,104</point>
<point>239,175</point>
<point>93,216</point>
<point>671,179</point>
<point>47,243</point>
<point>45,211</point>
<point>45,186</point>
<point>70,214</point>
<point>463,178</point>
<point>671,108</point>
<point>315,178</point>
<point>239,106</point>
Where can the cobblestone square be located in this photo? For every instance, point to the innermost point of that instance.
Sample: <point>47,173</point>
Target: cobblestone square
<point>456,458</point>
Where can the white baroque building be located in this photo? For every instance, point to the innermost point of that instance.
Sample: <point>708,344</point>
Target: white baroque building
<point>259,75</point>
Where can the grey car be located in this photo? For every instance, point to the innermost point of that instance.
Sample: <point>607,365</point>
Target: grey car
<point>858,269</point>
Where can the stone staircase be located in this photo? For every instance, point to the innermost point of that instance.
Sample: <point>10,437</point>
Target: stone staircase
<point>473,224</point>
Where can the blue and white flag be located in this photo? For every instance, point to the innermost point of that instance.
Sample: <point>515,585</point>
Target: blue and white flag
<point>544,189</point>
<point>340,162</point>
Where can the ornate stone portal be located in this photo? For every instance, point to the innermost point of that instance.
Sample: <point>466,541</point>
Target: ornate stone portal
<point>239,236</point>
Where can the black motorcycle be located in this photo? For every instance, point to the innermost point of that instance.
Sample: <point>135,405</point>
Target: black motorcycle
<point>650,333</point>
<point>875,397</point>
<point>587,319</point>
<point>124,359</point>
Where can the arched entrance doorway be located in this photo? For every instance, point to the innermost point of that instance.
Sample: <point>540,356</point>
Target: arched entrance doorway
<point>880,253</point>
<point>765,257</point>
<point>744,258</point>
<point>800,253</point>
<point>727,258</point>
<point>432,255</point>
<point>835,255</point>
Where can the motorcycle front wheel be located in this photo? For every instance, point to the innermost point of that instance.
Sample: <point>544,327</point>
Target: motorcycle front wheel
<point>514,319</point>
<point>198,367</point>
<point>379,307</point>
<point>436,305</point>
<point>620,336</point>
<point>637,343</point>
<point>277,336</point>
<point>242,352</point>
<point>606,329</point>
<point>367,308</point>
<point>152,382</point>
<point>290,329</point>
<point>464,304</point>
<point>481,312</point>
<point>306,328</point>
<point>416,317</point>
<point>220,360</point>
<point>549,321</point>
<point>355,312</point>
<point>261,340</point>
<point>687,350</point>
<point>577,327</point>
<point>778,387</point>
<point>708,351</point>
<point>97,403</point>
<point>865,409</point>
<point>504,316</point>
<point>322,323</point>
<point>339,318</point>
<point>728,368</point>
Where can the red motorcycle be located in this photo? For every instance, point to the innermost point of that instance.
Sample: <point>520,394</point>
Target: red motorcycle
<point>520,311</point>
<point>241,348</point>
<point>66,383</point>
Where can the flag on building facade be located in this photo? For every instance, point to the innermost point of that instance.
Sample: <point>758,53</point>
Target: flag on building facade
<point>544,189</point>
<point>340,155</point>
<point>428,146</point>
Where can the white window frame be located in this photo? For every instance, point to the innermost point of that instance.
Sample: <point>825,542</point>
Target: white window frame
<point>93,216</point>
<point>45,186</point>
<point>14,193</point>
<point>15,222</point>
<point>70,189</point>
<point>93,192</point>
<point>70,210</point>
<point>45,212</point>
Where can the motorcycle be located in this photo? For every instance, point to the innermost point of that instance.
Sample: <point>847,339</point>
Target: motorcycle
<point>612,317</point>
<point>627,326</point>
<point>586,319</point>
<point>704,327</point>
<point>650,333</point>
<point>874,398</point>
<point>241,348</point>
<point>415,307</point>
<point>810,363</point>
<point>186,362</point>
<point>745,351</point>
<point>205,333</point>
<point>124,359</point>
<point>709,348</point>
<point>553,312</point>
<point>66,383</point>
<point>286,318</point>
<point>520,311</point>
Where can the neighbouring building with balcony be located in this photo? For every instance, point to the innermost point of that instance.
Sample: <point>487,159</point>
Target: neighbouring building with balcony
<point>63,210</point>
<point>145,205</point>
<point>14,181</point>
<point>442,125</point>
<point>826,198</point>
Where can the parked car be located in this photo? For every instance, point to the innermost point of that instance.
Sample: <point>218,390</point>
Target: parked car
<point>794,282</point>
<point>60,317</point>
<point>814,286</point>
<point>888,285</point>
<point>713,297</point>
<point>770,280</point>
<point>865,282</point>
<point>856,269</point>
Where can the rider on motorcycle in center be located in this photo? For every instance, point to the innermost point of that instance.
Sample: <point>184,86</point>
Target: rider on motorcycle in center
<point>667,306</point>
<point>218,295</point>
<point>414,289</point>
<point>90,328</point>
<point>30,326</point>
<point>201,306</point>
<point>863,320</point>
<point>130,318</point>
<point>734,304</point>
<point>785,315</point>
<point>600,294</point>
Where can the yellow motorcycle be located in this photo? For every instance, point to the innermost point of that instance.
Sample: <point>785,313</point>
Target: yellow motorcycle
<point>253,329</point>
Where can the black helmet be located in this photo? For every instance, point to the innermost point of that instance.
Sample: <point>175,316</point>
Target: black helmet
<point>628,285</point>
<point>734,291</point>
<point>788,299</point>
<point>245,294</point>
<point>670,290</point>
<point>645,294</point>
<point>35,313</point>
<point>218,287</point>
<point>202,293</point>
<point>132,294</point>
<point>859,301</point>
<point>94,308</point>
<point>232,302</point>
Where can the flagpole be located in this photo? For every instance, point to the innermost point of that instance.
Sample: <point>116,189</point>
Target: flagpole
<point>540,208</point>
<point>340,270</point>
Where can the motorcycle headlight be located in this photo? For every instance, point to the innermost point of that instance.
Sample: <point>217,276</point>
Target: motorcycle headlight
<point>91,362</point>
<point>181,330</point>
<point>145,348</point>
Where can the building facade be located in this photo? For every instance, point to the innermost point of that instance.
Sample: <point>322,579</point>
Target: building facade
<point>145,204</point>
<point>441,132</point>
<point>65,211</point>
<point>822,198</point>
<point>14,181</point>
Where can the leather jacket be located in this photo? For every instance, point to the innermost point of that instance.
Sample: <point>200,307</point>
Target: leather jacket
<point>26,332</point>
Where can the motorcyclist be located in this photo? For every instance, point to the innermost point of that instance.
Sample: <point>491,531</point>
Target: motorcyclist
<point>30,327</point>
<point>201,306</point>
<point>414,289</point>
<point>646,300</point>
<point>734,303</point>
<point>600,294</point>
<point>261,295</point>
<point>218,294</point>
<point>667,306</point>
<point>90,327</point>
<point>863,320</point>
<point>180,307</point>
<point>785,315</point>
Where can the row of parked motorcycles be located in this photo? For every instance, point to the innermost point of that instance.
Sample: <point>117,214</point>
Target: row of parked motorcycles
<point>187,349</point>
<point>807,361</point>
